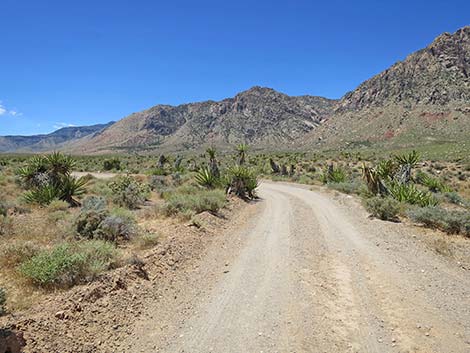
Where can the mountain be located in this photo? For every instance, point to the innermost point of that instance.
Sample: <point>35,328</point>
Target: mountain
<point>426,97</point>
<point>259,116</point>
<point>48,142</point>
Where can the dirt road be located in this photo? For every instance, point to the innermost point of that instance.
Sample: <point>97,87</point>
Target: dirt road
<point>312,274</point>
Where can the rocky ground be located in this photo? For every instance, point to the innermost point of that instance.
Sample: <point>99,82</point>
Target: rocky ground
<point>297,271</point>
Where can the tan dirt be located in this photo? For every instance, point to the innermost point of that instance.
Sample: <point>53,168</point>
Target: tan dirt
<point>298,271</point>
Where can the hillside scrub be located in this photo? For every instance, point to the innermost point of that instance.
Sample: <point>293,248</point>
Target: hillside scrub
<point>384,208</point>
<point>69,263</point>
<point>186,200</point>
<point>451,222</point>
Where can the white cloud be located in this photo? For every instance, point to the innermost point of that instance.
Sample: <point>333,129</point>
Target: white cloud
<point>61,125</point>
<point>11,112</point>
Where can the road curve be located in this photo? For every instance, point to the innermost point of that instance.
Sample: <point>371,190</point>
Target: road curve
<point>313,276</point>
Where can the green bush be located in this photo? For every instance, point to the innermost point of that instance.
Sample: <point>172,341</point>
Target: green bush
<point>384,208</point>
<point>455,198</point>
<point>114,227</point>
<point>111,164</point>
<point>95,221</point>
<point>57,205</point>
<point>332,174</point>
<point>128,192</point>
<point>452,222</point>
<point>93,212</point>
<point>68,264</point>
<point>17,252</point>
<point>3,300</point>
<point>186,199</point>
<point>346,187</point>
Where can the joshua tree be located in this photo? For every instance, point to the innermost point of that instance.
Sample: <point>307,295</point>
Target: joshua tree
<point>283,170</point>
<point>292,170</point>
<point>242,149</point>
<point>213,165</point>
<point>177,164</point>
<point>162,161</point>
<point>274,166</point>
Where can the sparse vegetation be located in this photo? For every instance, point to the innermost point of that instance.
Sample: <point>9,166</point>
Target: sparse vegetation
<point>128,192</point>
<point>452,222</point>
<point>3,300</point>
<point>68,264</point>
<point>48,178</point>
<point>187,200</point>
<point>384,208</point>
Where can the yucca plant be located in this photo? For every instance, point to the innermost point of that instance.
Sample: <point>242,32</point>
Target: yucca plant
<point>49,177</point>
<point>241,181</point>
<point>433,184</point>
<point>409,193</point>
<point>205,177</point>
<point>332,174</point>
<point>242,150</point>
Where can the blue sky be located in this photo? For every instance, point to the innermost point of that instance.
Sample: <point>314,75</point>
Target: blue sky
<point>86,62</point>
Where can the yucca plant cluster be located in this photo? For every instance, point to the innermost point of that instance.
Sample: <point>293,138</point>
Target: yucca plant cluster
<point>49,178</point>
<point>393,178</point>
<point>237,179</point>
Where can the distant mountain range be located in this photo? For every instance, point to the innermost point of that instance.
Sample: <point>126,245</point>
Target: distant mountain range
<point>47,142</point>
<point>424,98</point>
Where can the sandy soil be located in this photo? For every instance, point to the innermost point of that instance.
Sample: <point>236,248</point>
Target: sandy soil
<point>297,271</point>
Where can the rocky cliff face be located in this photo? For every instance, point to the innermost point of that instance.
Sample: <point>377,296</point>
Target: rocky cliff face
<point>258,116</point>
<point>436,75</point>
<point>426,97</point>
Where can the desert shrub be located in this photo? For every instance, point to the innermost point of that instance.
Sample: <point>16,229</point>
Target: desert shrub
<point>241,181</point>
<point>409,193</point>
<point>433,184</point>
<point>3,208</point>
<point>68,264</point>
<point>114,227</point>
<point>454,198</point>
<point>384,208</point>
<point>5,224</point>
<point>148,240</point>
<point>3,300</point>
<point>157,182</point>
<point>110,164</point>
<point>95,221</point>
<point>452,222</point>
<point>17,252</point>
<point>93,212</point>
<point>57,205</point>
<point>186,199</point>
<point>128,192</point>
<point>332,174</point>
<point>346,187</point>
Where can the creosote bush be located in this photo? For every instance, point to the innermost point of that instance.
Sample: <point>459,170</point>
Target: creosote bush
<point>191,200</point>
<point>384,208</point>
<point>70,263</point>
<point>95,221</point>
<point>128,192</point>
<point>452,222</point>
